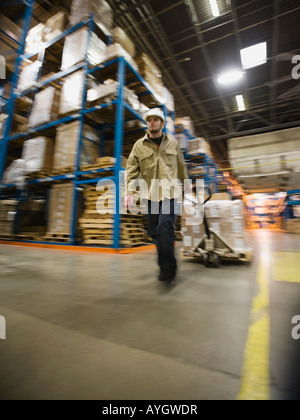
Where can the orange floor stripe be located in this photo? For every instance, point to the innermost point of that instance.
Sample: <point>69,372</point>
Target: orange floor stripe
<point>82,248</point>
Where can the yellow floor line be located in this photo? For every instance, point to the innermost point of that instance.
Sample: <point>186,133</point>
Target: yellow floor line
<point>287,266</point>
<point>255,383</point>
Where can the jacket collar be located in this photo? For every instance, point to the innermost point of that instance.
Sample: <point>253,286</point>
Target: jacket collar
<point>146,137</point>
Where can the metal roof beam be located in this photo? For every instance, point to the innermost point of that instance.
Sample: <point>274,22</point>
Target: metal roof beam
<point>197,28</point>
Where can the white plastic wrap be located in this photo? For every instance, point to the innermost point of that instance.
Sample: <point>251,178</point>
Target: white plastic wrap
<point>71,93</point>
<point>102,13</point>
<point>29,76</point>
<point>45,106</point>
<point>37,154</point>
<point>75,49</point>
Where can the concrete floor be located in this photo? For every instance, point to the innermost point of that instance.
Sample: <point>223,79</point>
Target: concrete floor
<point>93,326</point>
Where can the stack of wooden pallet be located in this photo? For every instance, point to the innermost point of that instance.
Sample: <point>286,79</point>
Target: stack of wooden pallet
<point>98,220</point>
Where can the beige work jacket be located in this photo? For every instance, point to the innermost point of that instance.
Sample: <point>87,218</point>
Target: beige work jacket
<point>159,171</point>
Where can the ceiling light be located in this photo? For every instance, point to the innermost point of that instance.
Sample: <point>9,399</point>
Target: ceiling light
<point>254,56</point>
<point>230,77</point>
<point>214,8</point>
<point>240,102</point>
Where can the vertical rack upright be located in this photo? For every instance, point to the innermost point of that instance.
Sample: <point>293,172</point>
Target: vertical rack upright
<point>29,4</point>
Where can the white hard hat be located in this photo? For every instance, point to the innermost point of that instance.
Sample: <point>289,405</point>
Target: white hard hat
<point>155,112</point>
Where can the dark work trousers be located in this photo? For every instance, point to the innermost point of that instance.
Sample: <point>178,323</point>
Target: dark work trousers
<point>161,228</point>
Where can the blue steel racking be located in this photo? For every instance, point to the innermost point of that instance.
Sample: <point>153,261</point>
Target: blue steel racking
<point>121,106</point>
<point>288,212</point>
<point>210,174</point>
<point>10,102</point>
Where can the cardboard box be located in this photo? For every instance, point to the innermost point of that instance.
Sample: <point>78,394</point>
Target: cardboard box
<point>198,145</point>
<point>224,209</point>
<point>38,154</point>
<point>71,93</point>
<point>116,50</point>
<point>66,145</point>
<point>102,13</point>
<point>119,37</point>
<point>60,208</point>
<point>192,227</point>
<point>75,47</point>
<point>15,172</point>
<point>45,107</point>
<point>29,76</point>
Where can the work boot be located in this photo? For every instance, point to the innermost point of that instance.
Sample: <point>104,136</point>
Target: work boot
<point>167,275</point>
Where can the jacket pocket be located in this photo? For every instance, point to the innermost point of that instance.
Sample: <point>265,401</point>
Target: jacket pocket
<point>146,162</point>
<point>146,155</point>
<point>171,159</point>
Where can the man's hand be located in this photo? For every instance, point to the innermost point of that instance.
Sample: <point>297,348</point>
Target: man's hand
<point>128,201</point>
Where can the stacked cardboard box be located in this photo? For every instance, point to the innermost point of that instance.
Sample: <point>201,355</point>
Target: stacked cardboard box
<point>75,49</point>
<point>150,72</point>
<point>45,107</point>
<point>183,124</point>
<point>29,76</point>
<point>192,227</point>
<point>198,145</point>
<point>119,37</point>
<point>35,38</point>
<point>227,219</point>
<point>55,25</point>
<point>60,209</point>
<point>7,216</point>
<point>71,93</point>
<point>38,154</point>
<point>108,91</point>
<point>116,50</point>
<point>66,144</point>
<point>102,13</point>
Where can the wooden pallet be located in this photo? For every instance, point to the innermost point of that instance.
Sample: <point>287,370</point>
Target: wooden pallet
<point>38,174</point>
<point>62,171</point>
<point>28,237</point>
<point>57,237</point>
<point>6,236</point>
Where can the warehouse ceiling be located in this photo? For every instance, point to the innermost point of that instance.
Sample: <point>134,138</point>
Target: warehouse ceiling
<point>192,48</point>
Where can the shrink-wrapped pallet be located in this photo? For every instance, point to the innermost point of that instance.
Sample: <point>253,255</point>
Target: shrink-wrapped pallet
<point>75,48</point>
<point>29,76</point>
<point>38,154</point>
<point>102,13</point>
<point>71,93</point>
<point>45,107</point>
<point>15,172</point>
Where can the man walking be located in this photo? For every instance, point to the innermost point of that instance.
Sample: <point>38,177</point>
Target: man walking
<point>158,160</point>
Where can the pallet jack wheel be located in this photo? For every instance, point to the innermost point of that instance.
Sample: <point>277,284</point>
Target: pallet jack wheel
<point>216,260</point>
<point>205,260</point>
